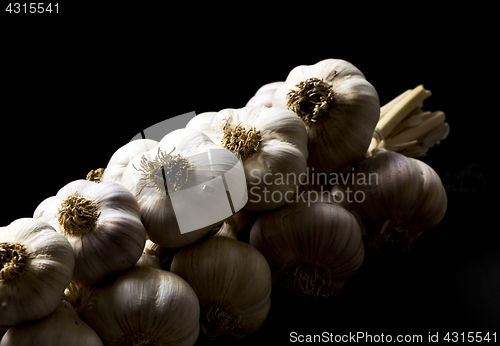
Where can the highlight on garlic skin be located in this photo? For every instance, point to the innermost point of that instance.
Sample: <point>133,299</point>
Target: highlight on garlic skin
<point>36,265</point>
<point>232,281</point>
<point>61,327</point>
<point>339,108</point>
<point>312,245</point>
<point>264,95</point>
<point>145,306</point>
<point>270,141</point>
<point>122,157</point>
<point>102,223</point>
<point>185,174</point>
<point>406,199</point>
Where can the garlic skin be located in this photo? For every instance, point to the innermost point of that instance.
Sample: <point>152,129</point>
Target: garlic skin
<point>145,305</point>
<point>264,95</point>
<point>232,281</point>
<point>61,328</point>
<point>339,107</point>
<point>121,158</point>
<point>312,246</point>
<point>102,222</point>
<point>201,121</point>
<point>403,198</point>
<point>193,169</point>
<point>36,265</point>
<point>272,143</point>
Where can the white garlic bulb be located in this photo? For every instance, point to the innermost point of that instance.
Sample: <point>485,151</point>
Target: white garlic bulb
<point>201,121</point>
<point>186,174</point>
<point>272,143</point>
<point>145,306</point>
<point>264,95</point>
<point>63,327</point>
<point>339,107</point>
<point>102,223</point>
<point>232,281</point>
<point>36,265</point>
<point>121,158</point>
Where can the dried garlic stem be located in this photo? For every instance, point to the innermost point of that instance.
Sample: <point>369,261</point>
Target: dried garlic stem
<point>77,216</point>
<point>139,339</point>
<point>166,172</point>
<point>311,100</point>
<point>13,257</point>
<point>391,238</point>
<point>95,175</point>
<point>241,140</point>
<point>404,128</point>
<point>400,110</point>
<point>310,279</point>
<point>215,318</point>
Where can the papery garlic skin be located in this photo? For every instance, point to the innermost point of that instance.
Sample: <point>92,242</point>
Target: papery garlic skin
<point>145,305</point>
<point>203,164</point>
<point>61,328</point>
<point>33,291</point>
<point>113,242</point>
<point>232,281</point>
<point>201,121</point>
<point>342,134</point>
<point>311,236</point>
<point>407,193</point>
<point>280,151</point>
<point>121,158</point>
<point>264,95</point>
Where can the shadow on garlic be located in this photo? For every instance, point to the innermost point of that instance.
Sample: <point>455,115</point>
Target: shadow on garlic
<point>232,281</point>
<point>311,247</point>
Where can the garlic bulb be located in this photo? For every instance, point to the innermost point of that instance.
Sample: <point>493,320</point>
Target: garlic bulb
<point>185,175</point>
<point>312,245</point>
<point>36,265</point>
<point>145,306</point>
<point>102,223</point>
<point>339,107</point>
<point>264,95</point>
<point>272,144</point>
<point>121,158</point>
<point>201,121</point>
<point>232,281</point>
<point>400,196</point>
<point>63,327</point>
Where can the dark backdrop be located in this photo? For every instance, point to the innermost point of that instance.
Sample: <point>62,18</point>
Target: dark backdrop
<point>77,88</point>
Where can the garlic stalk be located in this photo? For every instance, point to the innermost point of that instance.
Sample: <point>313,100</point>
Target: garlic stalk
<point>404,128</point>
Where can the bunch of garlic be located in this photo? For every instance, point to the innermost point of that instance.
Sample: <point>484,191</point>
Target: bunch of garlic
<point>145,251</point>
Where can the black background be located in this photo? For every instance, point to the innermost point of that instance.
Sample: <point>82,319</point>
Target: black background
<point>78,86</point>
